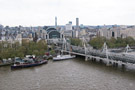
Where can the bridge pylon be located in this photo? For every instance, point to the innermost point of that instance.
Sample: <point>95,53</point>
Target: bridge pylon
<point>85,48</point>
<point>105,49</point>
<point>127,48</point>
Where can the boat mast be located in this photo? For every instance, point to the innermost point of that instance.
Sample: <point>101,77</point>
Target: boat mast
<point>63,45</point>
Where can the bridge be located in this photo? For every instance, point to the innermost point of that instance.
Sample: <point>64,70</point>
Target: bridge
<point>103,55</point>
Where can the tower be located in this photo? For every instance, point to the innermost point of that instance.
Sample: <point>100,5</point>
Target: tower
<point>77,23</point>
<point>55,22</point>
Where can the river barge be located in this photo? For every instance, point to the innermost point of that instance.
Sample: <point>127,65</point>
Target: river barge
<point>27,62</point>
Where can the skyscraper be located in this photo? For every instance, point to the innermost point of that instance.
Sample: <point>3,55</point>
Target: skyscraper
<point>70,22</point>
<point>77,23</point>
<point>55,22</point>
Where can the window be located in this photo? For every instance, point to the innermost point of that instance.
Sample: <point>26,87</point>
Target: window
<point>113,35</point>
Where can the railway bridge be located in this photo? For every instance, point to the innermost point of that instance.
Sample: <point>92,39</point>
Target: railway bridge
<point>110,58</point>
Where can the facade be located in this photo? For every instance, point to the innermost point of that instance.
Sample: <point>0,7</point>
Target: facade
<point>83,32</point>
<point>68,33</point>
<point>19,39</point>
<point>69,26</point>
<point>116,32</point>
<point>53,35</point>
<point>128,32</point>
<point>111,32</point>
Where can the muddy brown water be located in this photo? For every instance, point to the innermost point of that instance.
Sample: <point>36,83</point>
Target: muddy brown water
<point>75,74</point>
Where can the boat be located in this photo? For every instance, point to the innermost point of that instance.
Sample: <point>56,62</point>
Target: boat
<point>63,57</point>
<point>24,65</point>
<point>6,62</point>
<point>27,62</point>
<point>47,56</point>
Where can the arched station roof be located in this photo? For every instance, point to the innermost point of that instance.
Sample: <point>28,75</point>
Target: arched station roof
<point>51,29</point>
<point>53,32</point>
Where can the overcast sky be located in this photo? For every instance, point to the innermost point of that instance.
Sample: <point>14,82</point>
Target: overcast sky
<point>89,12</point>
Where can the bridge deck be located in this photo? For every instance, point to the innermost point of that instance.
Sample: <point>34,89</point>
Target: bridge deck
<point>97,58</point>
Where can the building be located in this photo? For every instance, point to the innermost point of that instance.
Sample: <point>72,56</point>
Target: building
<point>53,35</point>
<point>68,33</point>
<point>110,32</point>
<point>117,31</point>
<point>128,32</point>
<point>77,23</point>
<point>55,22</point>
<point>69,26</point>
<point>26,37</point>
<point>19,39</point>
<point>70,22</point>
<point>1,27</point>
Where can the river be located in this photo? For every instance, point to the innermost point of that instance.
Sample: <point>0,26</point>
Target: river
<point>75,74</point>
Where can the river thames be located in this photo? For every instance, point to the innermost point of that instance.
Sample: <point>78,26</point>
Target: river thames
<point>75,74</point>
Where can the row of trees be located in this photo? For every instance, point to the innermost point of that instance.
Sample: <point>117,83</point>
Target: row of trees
<point>8,50</point>
<point>76,41</point>
<point>98,42</point>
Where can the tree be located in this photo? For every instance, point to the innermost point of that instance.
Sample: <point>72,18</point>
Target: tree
<point>52,52</point>
<point>111,42</point>
<point>37,48</point>
<point>76,41</point>
<point>97,42</point>
<point>130,41</point>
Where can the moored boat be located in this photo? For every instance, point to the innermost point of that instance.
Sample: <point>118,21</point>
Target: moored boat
<point>24,65</point>
<point>27,62</point>
<point>6,62</point>
<point>63,57</point>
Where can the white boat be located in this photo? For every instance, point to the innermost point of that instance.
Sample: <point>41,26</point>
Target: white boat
<point>63,57</point>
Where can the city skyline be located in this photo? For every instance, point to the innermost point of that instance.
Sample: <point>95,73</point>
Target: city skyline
<point>89,12</point>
